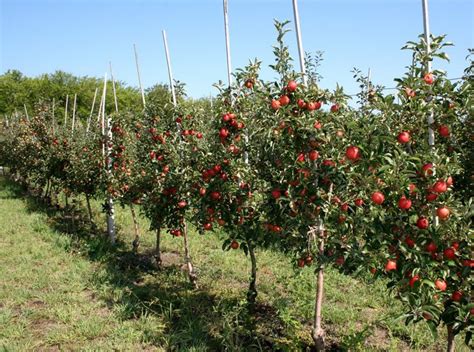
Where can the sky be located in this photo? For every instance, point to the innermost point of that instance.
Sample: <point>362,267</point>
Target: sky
<point>82,36</point>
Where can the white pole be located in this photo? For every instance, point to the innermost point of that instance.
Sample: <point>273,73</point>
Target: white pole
<point>138,73</point>
<point>92,110</point>
<point>299,40</point>
<point>113,87</point>
<point>227,43</point>
<point>65,110</point>
<point>26,112</point>
<point>430,118</point>
<point>104,92</point>
<point>54,119</point>
<point>368,83</point>
<point>426,27</point>
<point>170,73</point>
<point>74,115</point>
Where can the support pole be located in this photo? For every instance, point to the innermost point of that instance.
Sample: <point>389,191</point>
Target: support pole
<point>227,43</point>
<point>74,115</point>
<point>139,78</point>
<point>170,72</point>
<point>54,118</point>
<point>92,110</point>
<point>427,34</point>
<point>26,112</point>
<point>113,87</point>
<point>65,110</point>
<point>299,41</point>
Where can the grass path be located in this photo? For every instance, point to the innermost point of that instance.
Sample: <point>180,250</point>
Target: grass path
<point>70,292</point>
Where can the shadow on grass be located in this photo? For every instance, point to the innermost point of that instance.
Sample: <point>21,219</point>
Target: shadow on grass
<point>192,318</point>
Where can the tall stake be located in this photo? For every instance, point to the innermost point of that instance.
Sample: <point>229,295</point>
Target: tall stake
<point>65,110</point>
<point>299,40</point>
<point>26,112</point>
<point>92,110</point>
<point>227,44</point>
<point>191,273</point>
<point>426,27</point>
<point>113,87</point>
<point>108,138</point>
<point>54,119</point>
<point>139,78</point>
<point>74,114</point>
<point>170,73</point>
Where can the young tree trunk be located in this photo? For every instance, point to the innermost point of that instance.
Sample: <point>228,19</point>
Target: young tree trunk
<point>318,332</point>
<point>136,241</point>
<point>451,336</point>
<point>187,258</point>
<point>89,209</point>
<point>252,292</point>
<point>158,248</point>
<point>66,198</point>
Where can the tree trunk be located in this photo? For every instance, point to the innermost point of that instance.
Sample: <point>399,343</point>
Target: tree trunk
<point>451,336</point>
<point>187,258</point>
<point>89,209</point>
<point>318,332</point>
<point>252,292</point>
<point>158,248</point>
<point>136,241</point>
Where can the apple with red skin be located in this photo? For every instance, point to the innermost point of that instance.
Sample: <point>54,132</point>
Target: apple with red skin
<point>291,86</point>
<point>223,133</point>
<point>443,131</point>
<point>276,193</point>
<point>391,265</point>
<point>182,204</point>
<point>403,137</point>
<point>359,202</point>
<point>234,244</point>
<point>404,203</point>
<point>353,153</point>
<point>301,263</point>
<point>317,125</point>
<point>378,197</point>
<point>440,186</point>
<point>301,103</point>
<point>284,100</point>
<point>335,108</point>
<point>207,226</point>
<point>430,197</point>
<point>414,279</point>
<point>422,223</point>
<point>249,83</point>
<point>441,285</point>
<point>449,253</point>
<point>429,78</point>
<point>410,242</point>
<point>216,195</point>
<point>275,104</point>
<point>427,169</point>
<point>431,247</point>
<point>313,155</point>
<point>443,213</point>
<point>456,296</point>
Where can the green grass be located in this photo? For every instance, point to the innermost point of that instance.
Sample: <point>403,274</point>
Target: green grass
<point>63,288</point>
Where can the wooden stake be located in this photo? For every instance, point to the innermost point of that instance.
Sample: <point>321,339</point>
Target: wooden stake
<point>113,87</point>
<point>139,78</point>
<point>92,110</point>
<point>299,41</point>
<point>170,73</point>
<point>227,43</point>
<point>26,112</point>
<point>74,115</point>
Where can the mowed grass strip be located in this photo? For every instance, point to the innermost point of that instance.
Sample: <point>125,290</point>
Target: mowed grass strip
<point>63,291</point>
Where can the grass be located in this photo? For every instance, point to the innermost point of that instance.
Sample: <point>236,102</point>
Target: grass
<point>63,288</point>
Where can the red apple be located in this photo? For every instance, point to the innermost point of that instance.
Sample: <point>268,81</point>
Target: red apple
<point>353,153</point>
<point>284,100</point>
<point>443,213</point>
<point>313,155</point>
<point>291,86</point>
<point>428,78</point>
<point>449,253</point>
<point>413,280</point>
<point>441,285</point>
<point>422,223</point>
<point>404,203</point>
<point>443,131</point>
<point>431,247</point>
<point>391,265</point>
<point>440,186</point>
<point>456,296</point>
<point>234,244</point>
<point>275,104</point>
<point>378,197</point>
<point>403,137</point>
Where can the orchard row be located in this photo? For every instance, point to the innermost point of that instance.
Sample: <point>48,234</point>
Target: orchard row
<point>292,167</point>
